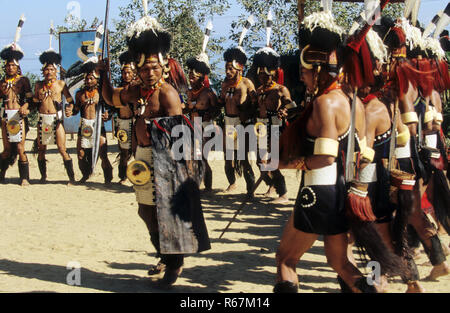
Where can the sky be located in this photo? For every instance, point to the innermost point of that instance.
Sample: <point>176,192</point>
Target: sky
<point>39,13</point>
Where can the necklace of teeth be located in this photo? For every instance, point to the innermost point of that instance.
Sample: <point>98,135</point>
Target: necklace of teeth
<point>90,95</point>
<point>143,101</point>
<point>47,90</point>
<point>11,82</point>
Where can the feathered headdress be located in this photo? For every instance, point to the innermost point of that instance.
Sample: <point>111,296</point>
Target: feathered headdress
<point>126,58</point>
<point>90,65</point>
<point>146,38</point>
<point>362,40</point>
<point>266,58</point>
<point>50,56</point>
<point>200,63</point>
<point>13,51</point>
<point>320,39</point>
<point>237,55</point>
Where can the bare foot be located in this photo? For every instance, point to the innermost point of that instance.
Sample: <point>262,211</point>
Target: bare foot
<point>123,182</point>
<point>414,287</point>
<point>283,199</point>
<point>438,271</point>
<point>271,192</point>
<point>24,183</point>
<point>383,286</point>
<point>230,188</point>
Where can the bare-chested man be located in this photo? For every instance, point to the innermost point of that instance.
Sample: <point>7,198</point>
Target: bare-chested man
<point>125,115</point>
<point>408,86</point>
<point>238,96</point>
<point>87,102</point>
<point>48,99</point>
<point>202,102</point>
<point>16,95</point>
<point>163,191</point>
<point>316,148</point>
<point>273,98</point>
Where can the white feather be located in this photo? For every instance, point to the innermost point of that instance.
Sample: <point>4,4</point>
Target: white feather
<point>19,29</point>
<point>408,8</point>
<point>51,34</point>
<point>203,57</point>
<point>251,21</point>
<point>15,46</point>
<point>97,41</point>
<point>326,5</point>
<point>268,50</point>
<point>269,29</point>
<point>435,46</point>
<point>145,6</point>
<point>209,27</point>
<point>431,26</point>
<point>441,24</point>
<point>413,34</point>
<point>142,25</point>
<point>324,20</point>
<point>376,45</point>
<point>415,12</point>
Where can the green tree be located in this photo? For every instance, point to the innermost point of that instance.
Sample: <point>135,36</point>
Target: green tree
<point>184,19</point>
<point>73,23</point>
<point>285,21</point>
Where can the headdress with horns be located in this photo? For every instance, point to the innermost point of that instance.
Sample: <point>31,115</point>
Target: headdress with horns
<point>321,39</point>
<point>237,55</point>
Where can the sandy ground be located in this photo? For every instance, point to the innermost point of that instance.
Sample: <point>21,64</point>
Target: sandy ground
<point>45,227</point>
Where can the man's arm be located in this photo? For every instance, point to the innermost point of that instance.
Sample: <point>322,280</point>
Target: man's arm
<point>115,97</point>
<point>27,96</point>
<point>76,108</point>
<point>408,115</point>
<point>69,99</point>
<point>326,145</point>
<point>170,100</point>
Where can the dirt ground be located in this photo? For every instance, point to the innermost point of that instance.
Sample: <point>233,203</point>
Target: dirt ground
<point>45,227</point>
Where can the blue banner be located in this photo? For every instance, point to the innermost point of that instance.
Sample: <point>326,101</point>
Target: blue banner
<point>75,48</point>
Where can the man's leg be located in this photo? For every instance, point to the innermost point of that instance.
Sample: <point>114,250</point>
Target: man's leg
<point>280,187</point>
<point>61,144</point>
<point>42,162</point>
<point>293,245</point>
<point>83,162</point>
<point>123,163</point>
<point>106,165</point>
<point>5,156</point>
<point>230,171</point>
<point>24,170</point>
<point>336,253</point>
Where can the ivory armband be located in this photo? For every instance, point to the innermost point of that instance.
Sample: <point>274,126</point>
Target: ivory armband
<point>326,146</point>
<point>363,145</point>
<point>403,137</point>
<point>438,117</point>
<point>410,117</point>
<point>429,116</point>
<point>116,98</point>
<point>368,154</point>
